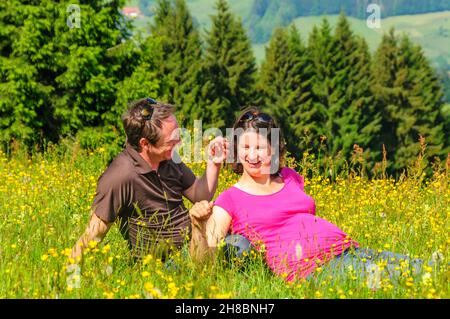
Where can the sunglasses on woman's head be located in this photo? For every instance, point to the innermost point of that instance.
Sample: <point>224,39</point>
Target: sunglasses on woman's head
<point>250,116</point>
<point>147,110</point>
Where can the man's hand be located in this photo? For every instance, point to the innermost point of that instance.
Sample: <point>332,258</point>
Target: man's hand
<point>218,150</point>
<point>200,212</point>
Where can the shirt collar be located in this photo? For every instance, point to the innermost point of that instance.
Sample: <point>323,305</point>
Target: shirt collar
<point>140,165</point>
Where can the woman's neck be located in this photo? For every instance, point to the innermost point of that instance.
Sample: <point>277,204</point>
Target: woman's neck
<point>263,180</point>
<point>259,185</point>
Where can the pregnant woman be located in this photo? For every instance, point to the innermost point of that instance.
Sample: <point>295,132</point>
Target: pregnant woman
<point>268,206</point>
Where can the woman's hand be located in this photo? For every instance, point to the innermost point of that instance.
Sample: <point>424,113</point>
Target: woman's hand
<point>218,150</point>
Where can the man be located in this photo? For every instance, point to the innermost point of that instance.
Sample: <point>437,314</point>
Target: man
<point>143,187</point>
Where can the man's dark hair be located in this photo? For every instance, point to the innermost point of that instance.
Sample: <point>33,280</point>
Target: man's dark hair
<point>144,120</point>
<point>253,118</point>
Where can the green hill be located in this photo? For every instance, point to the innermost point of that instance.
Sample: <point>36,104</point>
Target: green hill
<point>265,15</point>
<point>200,9</point>
<point>430,30</point>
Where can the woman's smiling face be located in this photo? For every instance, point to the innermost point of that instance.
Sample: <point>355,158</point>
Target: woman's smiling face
<point>254,153</point>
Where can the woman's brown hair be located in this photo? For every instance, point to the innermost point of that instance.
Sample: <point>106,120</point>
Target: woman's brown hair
<point>253,118</point>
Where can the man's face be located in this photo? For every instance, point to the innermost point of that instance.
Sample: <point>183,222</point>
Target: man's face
<point>170,137</point>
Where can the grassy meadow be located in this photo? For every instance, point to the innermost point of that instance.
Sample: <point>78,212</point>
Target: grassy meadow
<point>45,204</point>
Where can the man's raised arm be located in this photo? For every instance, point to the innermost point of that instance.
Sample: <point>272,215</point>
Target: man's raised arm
<point>205,187</point>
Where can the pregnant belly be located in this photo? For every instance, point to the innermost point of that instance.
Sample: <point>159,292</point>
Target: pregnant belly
<point>306,236</point>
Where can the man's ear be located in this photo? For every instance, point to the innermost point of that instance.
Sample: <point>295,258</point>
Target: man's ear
<point>143,143</point>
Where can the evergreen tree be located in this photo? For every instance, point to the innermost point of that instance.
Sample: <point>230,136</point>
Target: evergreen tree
<point>305,118</point>
<point>385,68</point>
<point>181,61</point>
<point>25,76</point>
<point>357,120</point>
<point>323,52</point>
<point>144,80</point>
<point>410,100</point>
<point>341,92</point>
<point>55,79</point>
<point>90,68</point>
<point>163,10</point>
<point>422,101</point>
<point>229,69</point>
<point>363,110</point>
<point>285,89</point>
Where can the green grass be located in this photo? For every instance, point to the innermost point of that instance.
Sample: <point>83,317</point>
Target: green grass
<point>45,205</point>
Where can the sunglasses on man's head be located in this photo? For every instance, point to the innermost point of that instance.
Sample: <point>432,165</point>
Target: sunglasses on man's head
<point>147,111</point>
<point>250,116</point>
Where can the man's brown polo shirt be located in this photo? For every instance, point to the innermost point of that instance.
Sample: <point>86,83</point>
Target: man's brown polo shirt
<point>148,203</point>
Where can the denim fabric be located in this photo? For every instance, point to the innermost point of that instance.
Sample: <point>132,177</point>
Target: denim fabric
<point>236,245</point>
<point>365,263</point>
<point>171,265</point>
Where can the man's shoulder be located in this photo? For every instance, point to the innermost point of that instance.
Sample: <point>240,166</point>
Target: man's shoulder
<point>120,170</point>
<point>179,166</point>
<point>172,162</point>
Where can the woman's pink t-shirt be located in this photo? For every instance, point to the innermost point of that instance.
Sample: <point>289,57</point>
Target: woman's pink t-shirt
<point>296,241</point>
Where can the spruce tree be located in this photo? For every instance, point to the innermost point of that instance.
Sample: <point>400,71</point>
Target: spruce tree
<point>56,77</point>
<point>409,98</point>
<point>421,105</point>
<point>144,80</point>
<point>26,76</point>
<point>229,69</point>
<point>363,110</point>
<point>180,68</point>
<point>323,52</point>
<point>385,68</point>
<point>305,117</point>
<point>285,89</point>
<point>357,120</point>
<point>341,92</point>
<point>89,66</point>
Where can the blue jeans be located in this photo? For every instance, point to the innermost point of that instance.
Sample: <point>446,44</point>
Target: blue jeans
<point>235,246</point>
<point>364,263</point>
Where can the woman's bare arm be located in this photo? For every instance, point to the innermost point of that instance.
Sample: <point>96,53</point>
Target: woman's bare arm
<point>217,226</point>
<point>208,235</point>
